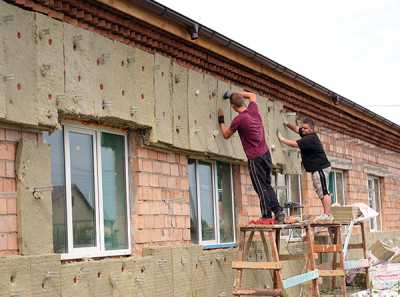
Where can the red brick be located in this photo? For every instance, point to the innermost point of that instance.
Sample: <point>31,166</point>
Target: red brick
<point>147,165</point>
<point>166,168</point>
<point>3,241</point>
<point>9,185</point>
<point>143,179</point>
<point>142,152</point>
<point>172,182</point>
<point>172,158</point>
<point>13,135</point>
<point>152,154</point>
<point>162,156</point>
<point>157,167</point>
<point>174,169</point>
<point>29,136</point>
<point>3,206</point>
<point>163,181</point>
<point>10,169</point>
<point>2,168</point>
<point>7,151</point>
<point>12,241</point>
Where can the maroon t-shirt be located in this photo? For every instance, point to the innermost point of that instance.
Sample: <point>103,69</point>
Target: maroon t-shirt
<point>251,131</point>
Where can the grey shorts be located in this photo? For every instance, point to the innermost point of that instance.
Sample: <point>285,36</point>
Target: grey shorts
<point>320,180</point>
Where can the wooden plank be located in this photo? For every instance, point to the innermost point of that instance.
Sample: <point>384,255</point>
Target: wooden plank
<point>327,248</point>
<point>300,279</point>
<point>292,257</point>
<point>364,243</point>
<point>311,259</point>
<point>355,246</point>
<point>337,272</point>
<point>355,264</point>
<point>256,265</point>
<point>257,292</point>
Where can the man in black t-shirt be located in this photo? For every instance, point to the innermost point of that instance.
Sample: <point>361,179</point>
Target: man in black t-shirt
<point>314,161</point>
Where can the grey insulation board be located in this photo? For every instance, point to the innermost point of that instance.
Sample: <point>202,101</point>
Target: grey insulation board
<point>122,90</point>
<point>34,205</point>
<point>163,272</point>
<point>49,68</point>
<point>236,143</point>
<point>180,106</point>
<point>2,72</point>
<point>182,268</point>
<point>143,98</point>
<point>163,100</point>
<point>78,279</point>
<point>105,67</point>
<point>203,275</point>
<point>198,111</point>
<point>45,272</point>
<point>18,35</point>
<point>293,163</point>
<point>278,156</point>
<point>211,122</point>
<point>81,88</point>
<point>225,147</point>
<point>15,276</point>
<point>144,270</point>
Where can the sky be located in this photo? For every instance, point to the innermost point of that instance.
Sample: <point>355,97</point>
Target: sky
<point>349,47</point>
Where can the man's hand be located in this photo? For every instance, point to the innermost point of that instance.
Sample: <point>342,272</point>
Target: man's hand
<point>279,135</point>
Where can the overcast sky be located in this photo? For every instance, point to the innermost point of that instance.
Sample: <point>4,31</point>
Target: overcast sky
<point>350,47</point>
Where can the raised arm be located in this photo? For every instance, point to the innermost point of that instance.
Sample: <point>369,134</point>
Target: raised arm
<point>289,142</point>
<point>293,127</point>
<point>249,96</point>
<point>226,131</point>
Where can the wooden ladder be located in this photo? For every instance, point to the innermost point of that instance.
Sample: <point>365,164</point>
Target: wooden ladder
<point>272,234</point>
<point>336,248</point>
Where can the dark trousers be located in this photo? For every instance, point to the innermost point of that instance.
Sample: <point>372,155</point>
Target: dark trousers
<point>260,172</point>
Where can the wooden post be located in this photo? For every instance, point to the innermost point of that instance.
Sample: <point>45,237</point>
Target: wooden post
<point>275,257</point>
<point>311,259</point>
<point>341,261</point>
<point>364,246</point>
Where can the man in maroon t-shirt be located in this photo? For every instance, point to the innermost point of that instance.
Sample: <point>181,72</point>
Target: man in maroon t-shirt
<point>249,125</point>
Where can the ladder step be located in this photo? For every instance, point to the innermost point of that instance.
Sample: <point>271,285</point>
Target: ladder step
<point>256,265</point>
<point>338,272</point>
<point>355,246</point>
<point>355,264</point>
<point>327,248</point>
<point>300,279</point>
<point>257,292</point>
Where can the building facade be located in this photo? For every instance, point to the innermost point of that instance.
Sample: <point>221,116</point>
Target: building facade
<point>109,150</point>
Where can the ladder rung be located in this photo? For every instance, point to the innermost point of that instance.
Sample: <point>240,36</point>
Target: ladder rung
<point>339,272</point>
<point>327,248</point>
<point>257,292</point>
<point>355,246</point>
<point>256,265</point>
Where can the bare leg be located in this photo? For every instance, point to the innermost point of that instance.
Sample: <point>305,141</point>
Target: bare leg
<point>326,203</point>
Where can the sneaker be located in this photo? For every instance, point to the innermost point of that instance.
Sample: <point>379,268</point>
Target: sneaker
<point>280,217</point>
<point>324,218</point>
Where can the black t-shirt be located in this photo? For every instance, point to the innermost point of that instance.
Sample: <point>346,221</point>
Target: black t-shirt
<point>312,152</point>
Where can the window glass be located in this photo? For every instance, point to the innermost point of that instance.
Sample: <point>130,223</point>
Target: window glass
<point>114,191</point>
<point>194,215</point>
<point>225,202</point>
<point>82,189</point>
<point>206,201</point>
<point>58,195</point>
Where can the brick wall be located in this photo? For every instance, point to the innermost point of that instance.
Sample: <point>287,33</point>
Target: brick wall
<point>8,197</point>
<point>161,214</point>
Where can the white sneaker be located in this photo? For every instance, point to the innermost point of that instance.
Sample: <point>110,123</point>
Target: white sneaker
<point>324,218</point>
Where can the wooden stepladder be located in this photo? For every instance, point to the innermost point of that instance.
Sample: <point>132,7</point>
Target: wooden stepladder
<point>336,248</point>
<point>270,234</point>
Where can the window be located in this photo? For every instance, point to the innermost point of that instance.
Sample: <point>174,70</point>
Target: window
<point>374,201</point>
<point>288,189</point>
<point>90,192</point>
<point>211,203</point>
<point>336,186</point>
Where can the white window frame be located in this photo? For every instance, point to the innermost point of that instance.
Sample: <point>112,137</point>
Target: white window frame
<point>99,250</point>
<point>214,178</point>
<point>289,196</point>
<point>374,201</point>
<point>334,172</point>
